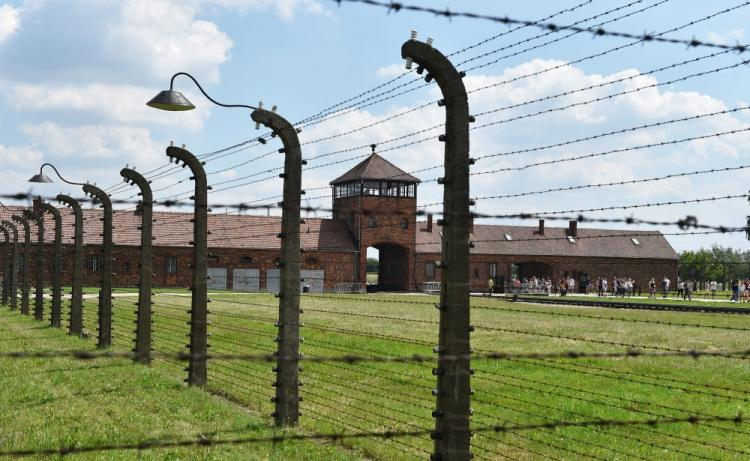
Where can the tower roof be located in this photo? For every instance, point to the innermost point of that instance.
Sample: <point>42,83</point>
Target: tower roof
<point>375,168</point>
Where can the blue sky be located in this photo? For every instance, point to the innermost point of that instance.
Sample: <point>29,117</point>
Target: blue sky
<point>74,77</point>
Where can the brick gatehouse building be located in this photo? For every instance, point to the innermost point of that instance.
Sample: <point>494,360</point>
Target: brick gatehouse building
<point>374,205</point>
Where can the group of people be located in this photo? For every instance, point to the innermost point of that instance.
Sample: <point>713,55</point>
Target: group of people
<point>741,291</point>
<point>535,285</point>
<point>621,286</point>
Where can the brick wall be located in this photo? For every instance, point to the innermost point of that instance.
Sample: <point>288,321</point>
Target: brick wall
<point>338,266</point>
<point>384,232</point>
<point>640,270</point>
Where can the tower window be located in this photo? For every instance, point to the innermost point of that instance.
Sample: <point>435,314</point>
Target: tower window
<point>371,188</point>
<point>371,221</point>
<point>404,223</point>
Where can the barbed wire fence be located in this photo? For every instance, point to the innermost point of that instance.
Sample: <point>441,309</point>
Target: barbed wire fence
<point>370,367</point>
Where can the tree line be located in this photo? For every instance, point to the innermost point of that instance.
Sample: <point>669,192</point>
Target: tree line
<point>722,264</point>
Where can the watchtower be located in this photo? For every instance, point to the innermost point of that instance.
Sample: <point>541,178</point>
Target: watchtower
<point>378,201</point>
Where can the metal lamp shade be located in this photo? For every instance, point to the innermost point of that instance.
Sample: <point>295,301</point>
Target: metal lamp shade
<point>170,100</point>
<point>40,178</point>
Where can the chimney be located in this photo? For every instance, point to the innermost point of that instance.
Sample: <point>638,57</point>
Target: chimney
<point>573,228</point>
<point>471,223</point>
<point>429,223</point>
<point>38,205</point>
<point>541,227</point>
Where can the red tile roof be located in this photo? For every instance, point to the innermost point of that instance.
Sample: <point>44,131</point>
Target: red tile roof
<point>375,168</point>
<point>490,239</point>
<point>175,230</point>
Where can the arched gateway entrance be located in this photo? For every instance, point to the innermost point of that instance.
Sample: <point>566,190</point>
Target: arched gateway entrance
<point>393,267</point>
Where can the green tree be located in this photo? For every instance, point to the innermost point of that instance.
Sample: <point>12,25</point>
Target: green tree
<point>372,265</point>
<point>719,263</point>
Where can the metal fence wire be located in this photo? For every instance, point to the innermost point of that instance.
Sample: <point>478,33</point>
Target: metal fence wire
<point>441,374</point>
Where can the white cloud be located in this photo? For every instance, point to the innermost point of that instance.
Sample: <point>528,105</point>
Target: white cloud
<point>119,103</point>
<point>131,145</point>
<point>285,9</point>
<point>729,37</point>
<point>10,20</point>
<point>390,71</point>
<point>165,37</point>
<point>20,156</point>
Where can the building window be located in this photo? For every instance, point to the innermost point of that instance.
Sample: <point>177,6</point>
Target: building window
<point>171,264</point>
<point>346,190</point>
<point>402,190</point>
<point>404,223</point>
<point>508,237</point>
<point>493,270</point>
<point>389,189</point>
<point>429,270</point>
<point>476,273</point>
<point>635,241</point>
<point>371,221</point>
<point>95,263</point>
<point>126,267</point>
<point>370,188</point>
<point>246,260</point>
<point>571,239</point>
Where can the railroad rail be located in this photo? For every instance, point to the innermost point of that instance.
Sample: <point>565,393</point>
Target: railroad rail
<point>628,305</point>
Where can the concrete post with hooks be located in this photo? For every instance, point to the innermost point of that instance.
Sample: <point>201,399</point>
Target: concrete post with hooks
<point>26,253</point>
<point>75,326</point>
<point>287,368</point>
<point>143,314</point>
<point>197,370</point>
<point>104,338</point>
<point>453,393</point>
<point>6,265</point>
<point>13,289</point>
<point>57,256</point>
<point>38,217</point>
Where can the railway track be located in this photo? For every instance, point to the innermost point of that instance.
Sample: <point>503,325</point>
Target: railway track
<point>628,305</point>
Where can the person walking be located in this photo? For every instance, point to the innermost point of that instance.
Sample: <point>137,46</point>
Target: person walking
<point>686,291</point>
<point>652,288</point>
<point>490,286</point>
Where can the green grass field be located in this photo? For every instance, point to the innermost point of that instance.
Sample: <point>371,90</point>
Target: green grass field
<point>390,396</point>
<point>56,402</point>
